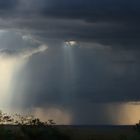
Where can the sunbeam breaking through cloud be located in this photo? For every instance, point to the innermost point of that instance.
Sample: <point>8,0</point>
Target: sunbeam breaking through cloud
<point>11,63</point>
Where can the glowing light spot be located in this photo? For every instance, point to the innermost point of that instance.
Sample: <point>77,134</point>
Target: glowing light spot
<point>71,43</point>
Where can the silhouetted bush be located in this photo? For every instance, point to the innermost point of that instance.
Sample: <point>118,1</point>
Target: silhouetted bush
<point>20,127</point>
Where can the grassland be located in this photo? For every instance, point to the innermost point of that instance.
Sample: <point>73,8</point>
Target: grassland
<point>21,132</point>
<point>102,132</point>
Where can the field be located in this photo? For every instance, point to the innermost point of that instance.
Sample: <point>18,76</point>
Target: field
<point>102,132</point>
<point>10,132</point>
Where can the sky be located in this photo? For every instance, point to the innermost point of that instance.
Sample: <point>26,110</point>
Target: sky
<point>76,62</point>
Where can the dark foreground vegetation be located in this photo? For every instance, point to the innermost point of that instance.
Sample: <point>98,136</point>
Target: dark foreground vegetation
<point>19,127</point>
<point>31,133</point>
<point>24,132</point>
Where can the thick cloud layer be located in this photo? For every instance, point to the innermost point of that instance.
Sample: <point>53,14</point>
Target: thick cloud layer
<point>109,22</point>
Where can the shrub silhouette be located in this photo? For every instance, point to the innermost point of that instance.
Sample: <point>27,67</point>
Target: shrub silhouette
<point>28,128</point>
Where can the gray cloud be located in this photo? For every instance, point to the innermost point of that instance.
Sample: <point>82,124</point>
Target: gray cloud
<point>110,22</point>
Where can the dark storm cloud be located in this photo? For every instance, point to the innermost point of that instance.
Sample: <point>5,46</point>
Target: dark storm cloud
<point>96,10</point>
<point>108,22</point>
<point>8,4</point>
<point>7,8</point>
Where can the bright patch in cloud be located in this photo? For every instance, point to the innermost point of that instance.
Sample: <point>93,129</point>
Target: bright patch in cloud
<point>124,113</point>
<point>28,53</point>
<point>71,43</point>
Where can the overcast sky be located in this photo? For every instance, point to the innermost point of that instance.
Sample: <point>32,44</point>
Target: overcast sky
<point>69,59</point>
